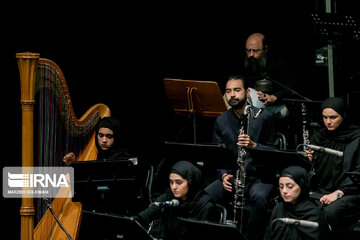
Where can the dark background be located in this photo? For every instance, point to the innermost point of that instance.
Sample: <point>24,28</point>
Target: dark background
<point>119,54</point>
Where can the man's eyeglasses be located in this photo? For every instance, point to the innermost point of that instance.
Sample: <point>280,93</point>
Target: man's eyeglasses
<point>253,50</point>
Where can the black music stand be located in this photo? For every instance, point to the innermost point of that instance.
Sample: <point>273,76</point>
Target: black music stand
<point>103,226</point>
<point>197,229</point>
<point>269,163</point>
<point>330,26</point>
<point>112,186</point>
<point>206,155</point>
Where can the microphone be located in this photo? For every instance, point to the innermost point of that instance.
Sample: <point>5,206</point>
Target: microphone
<point>172,203</point>
<point>296,222</point>
<point>327,150</point>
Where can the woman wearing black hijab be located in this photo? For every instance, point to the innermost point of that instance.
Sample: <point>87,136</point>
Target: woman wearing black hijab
<point>117,149</point>
<point>341,197</point>
<point>186,187</point>
<point>108,141</point>
<point>294,188</point>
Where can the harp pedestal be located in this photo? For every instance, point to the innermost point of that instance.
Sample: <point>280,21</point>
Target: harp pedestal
<point>27,63</point>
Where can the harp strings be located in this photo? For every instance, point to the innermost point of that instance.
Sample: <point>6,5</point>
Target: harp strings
<point>50,130</point>
<point>58,131</point>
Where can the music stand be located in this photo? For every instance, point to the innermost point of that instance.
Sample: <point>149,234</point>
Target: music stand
<point>108,226</point>
<point>207,155</point>
<point>197,229</point>
<point>194,98</point>
<point>271,162</point>
<point>112,186</point>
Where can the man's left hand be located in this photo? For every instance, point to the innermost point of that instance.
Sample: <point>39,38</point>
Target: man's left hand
<point>266,98</point>
<point>245,141</point>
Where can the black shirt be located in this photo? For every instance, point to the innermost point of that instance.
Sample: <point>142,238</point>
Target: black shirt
<point>261,130</point>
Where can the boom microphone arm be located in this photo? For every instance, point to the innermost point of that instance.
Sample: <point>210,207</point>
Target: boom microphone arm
<point>287,88</point>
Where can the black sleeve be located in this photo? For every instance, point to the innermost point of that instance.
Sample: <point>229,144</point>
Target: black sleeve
<point>351,154</point>
<point>267,139</point>
<point>274,214</point>
<point>217,136</point>
<point>209,213</point>
<point>150,214</point>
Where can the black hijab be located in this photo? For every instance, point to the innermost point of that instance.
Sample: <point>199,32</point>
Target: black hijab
<point>117,150</point>
<point>191,173</point>
<point>300,176</point>
<point>196,197</point>
<point>335,103</point>
<point>303,209</point>
<point>346,132</point>
<point>330,167</point>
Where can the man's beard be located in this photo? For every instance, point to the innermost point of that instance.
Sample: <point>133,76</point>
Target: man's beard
<point>237,103</point>
<point>254,65</point>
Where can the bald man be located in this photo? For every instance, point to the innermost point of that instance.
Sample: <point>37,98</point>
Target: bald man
<point>259,65</point>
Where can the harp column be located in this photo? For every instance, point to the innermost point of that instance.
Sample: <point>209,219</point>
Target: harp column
<point>27,63</point>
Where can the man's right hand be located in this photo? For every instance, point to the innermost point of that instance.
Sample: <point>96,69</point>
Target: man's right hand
<point>226,184</point>
<point>69,158</point>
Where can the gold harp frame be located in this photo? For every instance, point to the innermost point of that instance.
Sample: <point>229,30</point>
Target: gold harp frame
<point>28,63</point>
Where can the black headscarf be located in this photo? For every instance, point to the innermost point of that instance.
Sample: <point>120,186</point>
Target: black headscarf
<point>196,197</point>
<point>328,168</point>
<point>191,173</point>
<point>303,209</point>
<point>300,176</point>
<point>336,104</point>
<point>117,150</point>
<point>345,132</point>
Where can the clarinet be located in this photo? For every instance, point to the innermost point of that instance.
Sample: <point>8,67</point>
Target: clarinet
<point>306,140</point>
<point>239,183</point>
<point>305,130</point>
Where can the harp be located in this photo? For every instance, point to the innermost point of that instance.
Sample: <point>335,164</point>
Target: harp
<point>46,106</point>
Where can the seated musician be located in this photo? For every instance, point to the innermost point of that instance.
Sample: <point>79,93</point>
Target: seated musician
<point>261,134</point>
<point>294,186</point>
<point>341,197</point>
<point>185,186</point>
<point>107,141</point>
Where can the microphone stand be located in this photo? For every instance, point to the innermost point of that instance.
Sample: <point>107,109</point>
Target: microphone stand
<point>303,107</point>
<point>287,88</point>
<point>45,200</point>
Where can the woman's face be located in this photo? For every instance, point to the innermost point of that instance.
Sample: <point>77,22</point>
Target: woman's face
<point>289,189</point>
<point>179,186</point>
<point>331,118</point>
<point>105,138</point>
